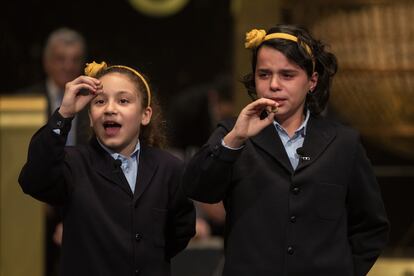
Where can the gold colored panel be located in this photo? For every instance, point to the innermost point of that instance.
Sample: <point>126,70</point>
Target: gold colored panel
<point>373,89</point>
<point>393,267</point>
<point>21,217</point>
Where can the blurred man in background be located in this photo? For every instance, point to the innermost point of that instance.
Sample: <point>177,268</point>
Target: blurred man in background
<point>63,60</point>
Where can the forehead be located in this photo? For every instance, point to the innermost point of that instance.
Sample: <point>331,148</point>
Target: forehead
<point>270,57</point>
<point>117,82</point>
<point>60,48</point>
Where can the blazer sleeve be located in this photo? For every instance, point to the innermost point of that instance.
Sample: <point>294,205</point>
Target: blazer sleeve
<point>368,225</point>
<point>42,176</point>
<point>208,174</point>
<point>181,219</point>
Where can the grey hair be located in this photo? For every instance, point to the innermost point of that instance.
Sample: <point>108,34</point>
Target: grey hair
<point>66,36</point>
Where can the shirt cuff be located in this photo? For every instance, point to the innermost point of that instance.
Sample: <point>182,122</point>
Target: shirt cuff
<point>59,124</point>
<point>228,147</point>
<point>223,153</point>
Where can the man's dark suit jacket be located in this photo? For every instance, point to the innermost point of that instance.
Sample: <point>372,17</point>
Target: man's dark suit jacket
<point>108,230</point>
<point>326,218</point>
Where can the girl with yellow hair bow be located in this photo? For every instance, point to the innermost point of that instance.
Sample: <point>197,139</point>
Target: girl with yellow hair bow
<point>300,195</point>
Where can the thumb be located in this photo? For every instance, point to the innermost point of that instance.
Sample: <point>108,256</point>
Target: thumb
<point>82,101</point>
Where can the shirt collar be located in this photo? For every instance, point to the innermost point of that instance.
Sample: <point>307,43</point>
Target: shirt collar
<point>301,129</point>
<point>52,88</point>
<point>116,155</point>
<point>54,93</point>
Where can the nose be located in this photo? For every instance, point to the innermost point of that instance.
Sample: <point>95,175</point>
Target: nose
<point>110,108</point>
<point>71,65</point>
<point>274,83</point>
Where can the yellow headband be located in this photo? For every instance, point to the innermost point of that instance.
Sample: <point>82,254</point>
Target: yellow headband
<point>256,37</point>
<point>92,69</point>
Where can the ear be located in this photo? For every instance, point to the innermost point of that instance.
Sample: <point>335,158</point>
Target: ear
<point>146,116</point>
<point>313,81</point>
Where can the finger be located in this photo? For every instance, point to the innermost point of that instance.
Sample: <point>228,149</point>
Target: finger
<point>82,89</point>
<point>262,103</point>
<point>86,79</point>
<point>268,105</point>
<point>272,109</point>
<point>83,101</point>
<point>256,111</point>
<point>270,117</point>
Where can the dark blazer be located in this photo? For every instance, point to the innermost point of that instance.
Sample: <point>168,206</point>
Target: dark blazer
<point>108,230</point>
<point>53,218</point>
<point>325,218</point>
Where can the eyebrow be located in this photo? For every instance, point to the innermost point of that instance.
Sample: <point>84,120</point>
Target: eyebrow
<point>288,71</point>
<point>117,93</point>
<point>283,71</point>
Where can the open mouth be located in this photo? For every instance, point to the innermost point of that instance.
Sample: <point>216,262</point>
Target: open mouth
<point>111,128</point>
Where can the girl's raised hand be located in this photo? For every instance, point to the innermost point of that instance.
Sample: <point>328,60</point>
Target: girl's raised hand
<point>78,93</point>
<point>249,123</point>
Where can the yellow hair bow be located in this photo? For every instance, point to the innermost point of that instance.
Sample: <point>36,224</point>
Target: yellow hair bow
<point>92,70</point>
<point>256,37</point>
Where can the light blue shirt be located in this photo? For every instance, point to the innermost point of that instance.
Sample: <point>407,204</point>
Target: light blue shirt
<point>291,144</point>
<point>129,164</point>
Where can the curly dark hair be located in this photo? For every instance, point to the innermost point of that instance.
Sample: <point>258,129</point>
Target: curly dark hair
<point>325,63</point>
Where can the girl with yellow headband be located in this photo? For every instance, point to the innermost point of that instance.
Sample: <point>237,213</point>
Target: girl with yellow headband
<point>124,211</point>
<point>300,195</point>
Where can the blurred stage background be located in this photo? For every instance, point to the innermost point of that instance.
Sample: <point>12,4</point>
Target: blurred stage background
<point>184,43</point>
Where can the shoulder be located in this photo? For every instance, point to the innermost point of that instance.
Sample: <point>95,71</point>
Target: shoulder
<point>78,152</point>
<point>160,156</point>
<point>341,129</point>
<point>227,124</point>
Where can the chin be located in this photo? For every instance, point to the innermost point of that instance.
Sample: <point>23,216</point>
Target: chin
<point>109,142</point>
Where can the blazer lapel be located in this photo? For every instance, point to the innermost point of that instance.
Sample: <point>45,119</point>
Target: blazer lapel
<point>269,141</point>
<point>146,170</point>
<point>318,136</point>
<point>104,164</point>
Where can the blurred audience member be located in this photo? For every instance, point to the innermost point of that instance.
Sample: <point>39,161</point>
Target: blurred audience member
<point>194,113</point>
<point>63,60</point>
<point>193,116</point>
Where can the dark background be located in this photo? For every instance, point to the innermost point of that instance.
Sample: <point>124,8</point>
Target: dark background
<point>176,52</point>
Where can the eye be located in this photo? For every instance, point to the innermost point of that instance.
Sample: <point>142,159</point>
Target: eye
<point>124,101</point>
<point>99,102</point>
<point>287,76</point>
<point>263,75</point>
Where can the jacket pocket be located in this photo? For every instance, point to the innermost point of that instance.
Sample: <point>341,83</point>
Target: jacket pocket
<point>159,217</point>
<point>330,201</point>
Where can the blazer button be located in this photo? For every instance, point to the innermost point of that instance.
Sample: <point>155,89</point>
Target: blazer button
<point>138,237</point>
<point>295,190</point>
<point>293,219</point>
<point>290,250</point>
